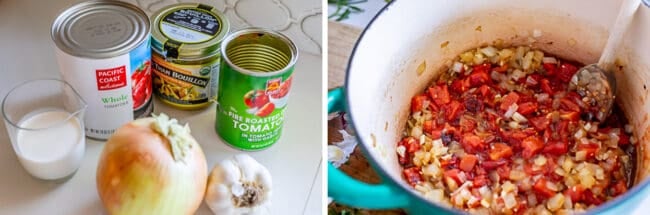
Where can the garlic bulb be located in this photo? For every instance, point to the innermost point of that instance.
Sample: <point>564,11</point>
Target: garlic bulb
<point>239,185</point>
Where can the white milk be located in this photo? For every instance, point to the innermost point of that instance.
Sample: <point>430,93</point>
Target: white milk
<point>54,152</point>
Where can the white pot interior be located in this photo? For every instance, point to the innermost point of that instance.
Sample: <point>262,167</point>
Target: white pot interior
<point>383,78</point>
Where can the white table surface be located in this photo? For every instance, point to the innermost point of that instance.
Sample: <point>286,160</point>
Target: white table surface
<point>372,7</point>
<point>27,52</point>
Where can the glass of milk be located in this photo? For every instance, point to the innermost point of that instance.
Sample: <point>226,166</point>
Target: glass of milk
<point>44,120</point>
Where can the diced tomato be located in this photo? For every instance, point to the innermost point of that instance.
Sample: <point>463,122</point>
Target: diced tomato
<point>531,146</point>
<point>411,144</point>
<point>468,162</point>
<point>436,133</point>
<point>590,198</point>
<point>485,90</point>
<point>417,102</point>
<point>499,151</point>
<point>624,139</point>
<point>452,110</point>
<point>412,175</point>
<point>478,78</point>
<point>556,148</point>
<point>619,188</point>
<point>540,123</point>
<point>590,149</point>
<point>528,168</point>
<point>448,163</point>
<point>509,100</point>
<point>467,125</point>
<point>460,85</point>
<point>503,68</point>
<point>566,71</point>
<point>569,105</point>
<point>428,126</point>
<point>545,84</point>
<point>527,108</point>
<point>551,69</point>
<point>439,94</point>
<point>503,171</point>
<point>540,188</point>
<point>533,80</point>
<point>472,143</point>
<point>480,181</point>
<point>453,174</point>
<point>575,193</point>
<point>490,165</point>
<point>485,67</point>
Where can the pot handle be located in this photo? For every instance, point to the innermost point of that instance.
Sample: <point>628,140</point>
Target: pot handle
<point>349,191</point>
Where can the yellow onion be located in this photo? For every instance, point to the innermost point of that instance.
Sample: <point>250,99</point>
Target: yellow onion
<point>152,166</point>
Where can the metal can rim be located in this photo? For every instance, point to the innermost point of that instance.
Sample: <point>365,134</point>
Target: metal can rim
<point>60,31</point>
<point>289,42</point>
<point>189,51</point>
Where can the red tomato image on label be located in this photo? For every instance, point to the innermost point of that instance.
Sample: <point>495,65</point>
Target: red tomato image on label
<point>141,84</point>
<point>265,110</point>
<point>256,98</point>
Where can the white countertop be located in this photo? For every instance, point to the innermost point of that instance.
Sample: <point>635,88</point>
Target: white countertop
<point>28,53</point>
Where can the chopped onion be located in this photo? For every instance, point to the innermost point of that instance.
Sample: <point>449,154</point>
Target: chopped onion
<point>517,74</point>
<point>510,201</point>
<point>416,131</point>
<point>511,110</point>
<point>551,60</point>
<point>517,175</point>
<point>556,202</point>
<point>518,117</point>
<point>528,60</point>
<point>531,81</point>
<point>542,97</point>
<point>457,67</point>
<point>401,151</point>
<point>540,160</point>
<point>489,51</point>
<point>628,128</point>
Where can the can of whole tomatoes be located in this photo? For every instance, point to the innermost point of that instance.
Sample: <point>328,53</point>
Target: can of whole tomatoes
<point>103,51</point>
<point>254,84</point>
<point>186,39</point>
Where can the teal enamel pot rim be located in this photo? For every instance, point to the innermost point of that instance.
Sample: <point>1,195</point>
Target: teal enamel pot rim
<point>393,192</point>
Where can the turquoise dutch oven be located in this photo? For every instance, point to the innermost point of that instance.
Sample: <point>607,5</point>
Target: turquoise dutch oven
<point>382,77</point>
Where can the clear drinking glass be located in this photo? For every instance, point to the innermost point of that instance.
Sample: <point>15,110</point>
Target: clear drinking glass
<point>44,120</point>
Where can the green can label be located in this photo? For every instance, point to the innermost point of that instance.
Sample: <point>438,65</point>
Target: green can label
<point>250,110</point>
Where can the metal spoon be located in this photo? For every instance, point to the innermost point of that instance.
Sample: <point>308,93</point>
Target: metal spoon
<point>596,82</point>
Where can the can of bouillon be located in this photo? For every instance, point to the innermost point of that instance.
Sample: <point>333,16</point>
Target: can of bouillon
<point>254,84</point>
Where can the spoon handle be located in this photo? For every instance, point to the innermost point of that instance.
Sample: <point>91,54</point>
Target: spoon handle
<point>617,32</point>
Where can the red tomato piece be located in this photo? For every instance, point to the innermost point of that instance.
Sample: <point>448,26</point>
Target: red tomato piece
<point>453,174</point>
<point>566,71</point>
<point>503,68</point>
<point>472,143</point>
<point>590,149</point>
<point>509,100</point>
<point>575,193</point>
<point>531,145</point>
<point>490,165</point>
<point>545,85</point>
<point>428,126</point>
<point>412,144</point>
<point>467,125</point>
<point>478,78</point>
<point>550,68</point>
<point>590,198</point>
<point>485,67</point>
<point>452,110</point>
<point>412,175</point>
<point>540,188</point>
<point>540,123</point>
<point>460,85</point>
<point>570,116</point>
<point>439,94</point>
<point>527,108</point>
<point>417,102</point>
<point>503,171</point>
<point>499,151</point>
<point>480,181</point>
<point>556,148</point>
<point>468,162</point>
<point>569,105</point>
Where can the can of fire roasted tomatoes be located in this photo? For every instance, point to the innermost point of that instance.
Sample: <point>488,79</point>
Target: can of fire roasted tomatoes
<point>103,51</point>
<point>254,84</point>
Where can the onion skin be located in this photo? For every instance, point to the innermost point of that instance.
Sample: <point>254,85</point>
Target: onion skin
<point>137,173</point>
